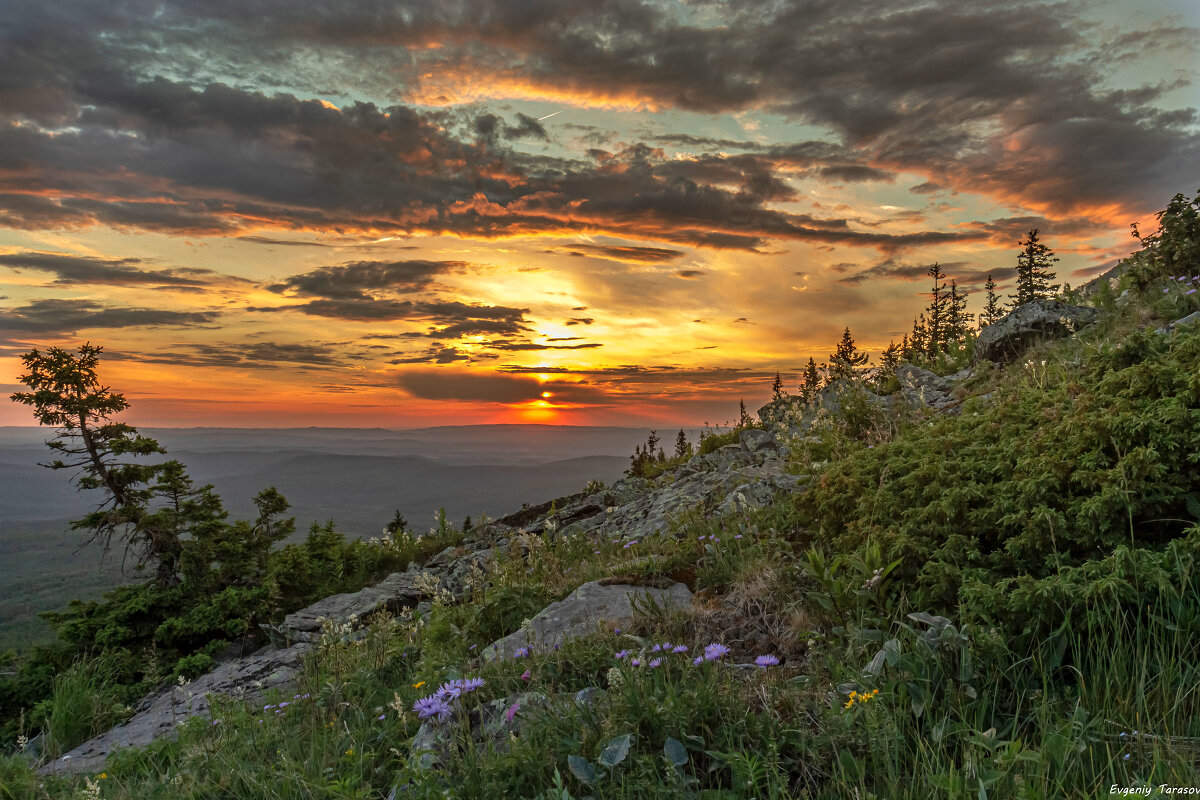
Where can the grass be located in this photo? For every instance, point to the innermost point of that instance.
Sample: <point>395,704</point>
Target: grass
<point>909,667</point>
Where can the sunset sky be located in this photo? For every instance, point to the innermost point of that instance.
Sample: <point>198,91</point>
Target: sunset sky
<point>398,214</point>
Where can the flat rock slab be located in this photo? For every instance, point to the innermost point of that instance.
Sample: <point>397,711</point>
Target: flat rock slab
<point>1004,341</point>
<point>582,611</point>
<point>162,711</point>
<point>395,592</point>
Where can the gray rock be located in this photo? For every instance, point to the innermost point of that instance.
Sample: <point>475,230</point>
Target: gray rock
<point>161,712</point>
<point>1190,319</point>
<point>1004,341</point>
<point>920,388</point>
<point>395,592</point>
<point>754,440</point>
<point>582,611</point>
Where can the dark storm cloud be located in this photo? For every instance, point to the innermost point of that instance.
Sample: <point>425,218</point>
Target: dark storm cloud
<point>436,354</point>
<point>252,355</point>
<point>1007,99</point>
<point>456,318</point>
<point>70,270</point>
<point>357,280</point>
<point>68,316</point>
<point>964,273</point>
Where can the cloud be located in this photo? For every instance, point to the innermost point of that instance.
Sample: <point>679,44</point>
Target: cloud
<point>72,270</point>
<point>490,388</point>
<point>361,279</point>
<point>580,321</point>
<point>69,316</point>
<point>689,273</point>
<point>626,253</point>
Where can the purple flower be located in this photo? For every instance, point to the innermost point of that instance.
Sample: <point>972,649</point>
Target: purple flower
<point>715,651</point>
<point>620,654</point>
<point>635,662</point>
<point>738,536</point>
<point>471,684</point>
<point>526,675</point>
<point>679,648</point>
<point>432,706</point>
<point>511,711</point>
<point>656,648</point>
<point>666,646</point>
<point>617,631</point>
<point>521,652</point>
<point>767,661</point>
<point>657,662</point>
<point>382,717</point>
<point>698,660</point>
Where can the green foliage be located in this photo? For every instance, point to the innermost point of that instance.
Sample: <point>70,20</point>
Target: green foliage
<point>1173,250</point>
<point>1057,472</point>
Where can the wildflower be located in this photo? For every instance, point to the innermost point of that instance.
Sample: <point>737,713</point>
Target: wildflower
<point>715,651</point>
<point>526,675</point>
<point>615,678</point>
<point>655,663</point>
<point>432,706</point>
<point>635,662</point>
<point>350,751</point>
<point>511,712</point>
<point>381,717</point>
<point>418,684</point>
<point>679,648</point>
<point>620,654</point>
<point>521,652</point>
<point>698,660</point>
<point>666,646</point>
<point>767,661</point>
<point>656,648</point>
<point>738,536</point>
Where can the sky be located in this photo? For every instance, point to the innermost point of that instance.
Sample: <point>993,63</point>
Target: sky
<point>286,213</point>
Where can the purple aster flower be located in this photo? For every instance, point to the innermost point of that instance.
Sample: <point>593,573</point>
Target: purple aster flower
<point>526,675</point>
<point>635,662</point>
<point>381,717</point>
<point>620,654</point>
<point>666,646</point>
<point>715,651</point>
<point>521,652</point>
<point>654,663</point>
<point>449,690</point>
<point>738,536</point>
<point>511,711</point>
<point>471,684</point>
<point>698,660</point>
<point>656,648</point>
<point>767,661</point>
<point>432,706</point>
<point>679,648</point>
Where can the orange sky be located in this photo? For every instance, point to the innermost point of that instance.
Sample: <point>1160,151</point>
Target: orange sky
<point>600,213</point>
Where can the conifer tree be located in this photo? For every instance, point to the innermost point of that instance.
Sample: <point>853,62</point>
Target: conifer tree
<point>958,320</point>
<point>939,313</point>
<point>1033,271</point>
<point>890,359</point>
<point>67,393</point>
<point>847,358</point>
<point>810,382</point>
<point>683,448</point>
<point>991,309</point>
<point>777,387</point>
<point>744,420</point>
<point>398,524</point>
<point>920,336</point>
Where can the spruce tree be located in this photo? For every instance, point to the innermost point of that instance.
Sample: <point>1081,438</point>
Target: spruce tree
<point>777,387</point>
<point>847,358</point>
<point>744,420</point>
<point>939,313</point>
<point>1033,271</point>
<point>991,309</point>
<point>958,320</point>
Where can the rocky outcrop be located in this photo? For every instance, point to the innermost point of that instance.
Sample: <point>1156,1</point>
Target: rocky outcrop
<point>160,713</point>
<point>581,612</point>
<point>1190,319</point>
<point>1004,341</point>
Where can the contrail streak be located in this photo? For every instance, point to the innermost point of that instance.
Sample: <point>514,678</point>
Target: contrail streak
<point>548,116</point>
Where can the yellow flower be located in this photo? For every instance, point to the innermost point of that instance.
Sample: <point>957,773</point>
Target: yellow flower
<point>102,775</point>
<point>350,751</point>
<point>418,684</point>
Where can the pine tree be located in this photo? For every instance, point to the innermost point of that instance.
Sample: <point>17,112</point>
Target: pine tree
<point>777,387</point>
<point>846,359</point>
<point>810,382</point>
<point>744,420</point>
<point>991,309</point>
<point>1033,271</point>
<point>939,313</point>
<point>920,336</point>
<point>398,524</point>
<point>890,359</point>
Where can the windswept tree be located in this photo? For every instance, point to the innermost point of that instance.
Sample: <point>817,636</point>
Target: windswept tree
<point>938,313</point>
<point>683,448</point>
<point>66,393</point>
<point>1033,271</point>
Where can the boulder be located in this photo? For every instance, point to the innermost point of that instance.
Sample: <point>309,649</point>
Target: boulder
<point>755,440</point>
<point>161,712</point>
<point>395,592</point>
<point>582,611</point>
<point>1005,340</point>
<point>1190,319</point>
<point>920,387</point>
